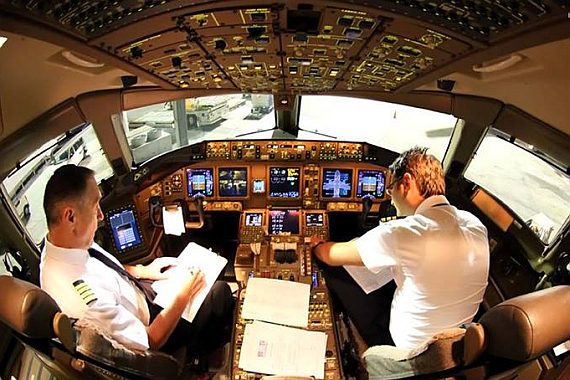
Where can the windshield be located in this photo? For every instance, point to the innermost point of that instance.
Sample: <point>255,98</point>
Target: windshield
<point>535,190</point>
<point>163,127</point>
<point>391,126</point>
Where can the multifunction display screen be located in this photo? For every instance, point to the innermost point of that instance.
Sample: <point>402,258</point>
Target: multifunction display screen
<point>200,181</point>
<point>284,221</point>
<point>254,219</point>
<point>232,182</point>
<point>284,182</point>
<point>125,229</point>
<point>371,182</point>
<point>314,219</point>
<point>337,183</point>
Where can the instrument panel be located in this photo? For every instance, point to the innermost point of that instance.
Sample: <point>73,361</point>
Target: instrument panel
<point>283,192</point>
<point>253,184</point>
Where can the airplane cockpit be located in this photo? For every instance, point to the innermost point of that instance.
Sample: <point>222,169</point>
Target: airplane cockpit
<point>248,128</point>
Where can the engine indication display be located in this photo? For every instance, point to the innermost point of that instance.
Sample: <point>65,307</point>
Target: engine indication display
<point>284,182</point>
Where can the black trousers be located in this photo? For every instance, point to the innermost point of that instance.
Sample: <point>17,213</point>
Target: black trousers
<point>370,313</point>
<point>210,329</point>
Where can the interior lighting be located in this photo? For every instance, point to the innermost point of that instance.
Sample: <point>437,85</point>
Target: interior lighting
<point>498,64</point>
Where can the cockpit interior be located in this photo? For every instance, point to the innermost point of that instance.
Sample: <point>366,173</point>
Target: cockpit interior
<point>249,127</point>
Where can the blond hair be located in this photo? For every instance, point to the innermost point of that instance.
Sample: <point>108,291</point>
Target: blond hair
<point>425,168</point>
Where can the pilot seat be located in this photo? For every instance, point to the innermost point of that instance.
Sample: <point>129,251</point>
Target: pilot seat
<point>508,335</point>
<point>79,350</point>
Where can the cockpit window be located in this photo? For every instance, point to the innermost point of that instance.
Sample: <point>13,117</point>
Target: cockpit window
<point>24,187</point>
<point>163,127</point>
<point>391,126</point>
<point>521,177</point>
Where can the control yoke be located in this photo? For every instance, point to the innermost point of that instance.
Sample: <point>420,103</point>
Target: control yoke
<point>366,221</point>
<point>155,205</point>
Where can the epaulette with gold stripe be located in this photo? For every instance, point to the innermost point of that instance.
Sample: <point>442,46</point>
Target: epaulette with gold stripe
<point>85,292</point>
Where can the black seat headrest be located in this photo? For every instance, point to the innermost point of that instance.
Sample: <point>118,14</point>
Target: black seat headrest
<point>526,326</point>
<point>26,308</point>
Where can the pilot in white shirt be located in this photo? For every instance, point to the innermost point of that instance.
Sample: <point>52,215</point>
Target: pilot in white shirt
<point>85,288</point>
<point>102,293</point>
<point>438,255</point>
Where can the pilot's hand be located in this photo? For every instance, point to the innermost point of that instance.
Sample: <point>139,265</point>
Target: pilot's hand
<point>315,241</point>
<point>157,270</point>
<point>195,281</point>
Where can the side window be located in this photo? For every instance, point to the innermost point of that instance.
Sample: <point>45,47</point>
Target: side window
<point>529,182</point>
<point>25,186</point>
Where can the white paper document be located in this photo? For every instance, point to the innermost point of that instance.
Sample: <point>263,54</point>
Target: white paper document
<point>280,350</point>
<point>193,257</point>
<point>173,221</point>
<point>277,301</point>
<point>368,280</point>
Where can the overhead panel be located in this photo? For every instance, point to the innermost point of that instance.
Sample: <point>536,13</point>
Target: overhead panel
<point>399,53</point>
<point>288,46</point>
<point>173,57</point>
<point>317,58</point>
<point>246,45</point>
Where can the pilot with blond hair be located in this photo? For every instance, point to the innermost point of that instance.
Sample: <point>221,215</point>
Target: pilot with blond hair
<point>438,257</point>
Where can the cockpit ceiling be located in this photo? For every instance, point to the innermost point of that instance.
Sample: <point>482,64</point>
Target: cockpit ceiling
<point>288,46</point>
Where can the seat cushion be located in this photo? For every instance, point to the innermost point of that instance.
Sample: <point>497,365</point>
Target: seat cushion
<point>96,344</point>
<point>440,352</point>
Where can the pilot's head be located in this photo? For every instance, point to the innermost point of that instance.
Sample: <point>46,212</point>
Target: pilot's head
<point>416,176</point>
<point>71,205</point>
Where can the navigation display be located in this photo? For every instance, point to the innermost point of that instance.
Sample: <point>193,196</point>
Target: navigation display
<point>314,219</point>
<point>283,221</point>
<point>125,229</point>
<point>200,181</point>
<point>337,183</point>
<point>254,219</point>
<point>284,182</point>
<point>232,182</point>
<point>371,182</point>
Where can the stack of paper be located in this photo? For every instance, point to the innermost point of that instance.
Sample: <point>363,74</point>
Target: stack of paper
<point>277,301</point>
<point>279,350</point>
<point>273,349</point>
<point>193,257</point>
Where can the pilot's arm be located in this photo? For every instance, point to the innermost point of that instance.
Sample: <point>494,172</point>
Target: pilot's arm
<point>165,322</point>
<point>336,254</point>
<point>163,325</point>
<point>156,270</point>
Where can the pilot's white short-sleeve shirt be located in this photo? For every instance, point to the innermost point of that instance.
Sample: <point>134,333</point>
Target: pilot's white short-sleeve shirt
<point>440,262</point>
<point>85,288</point>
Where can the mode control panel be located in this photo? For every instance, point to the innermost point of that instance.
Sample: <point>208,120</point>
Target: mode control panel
<point>285,150</point>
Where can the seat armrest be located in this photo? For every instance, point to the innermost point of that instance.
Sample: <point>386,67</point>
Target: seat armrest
<point>474,343</point>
